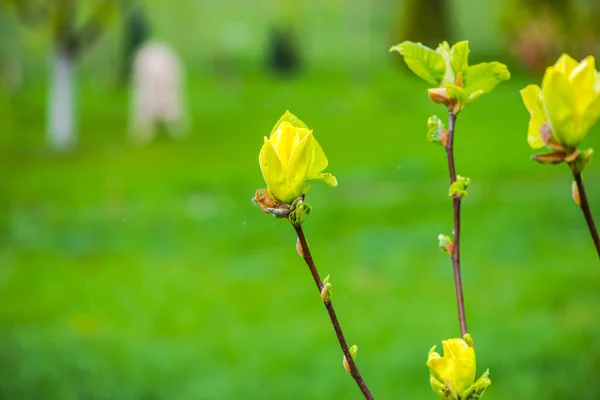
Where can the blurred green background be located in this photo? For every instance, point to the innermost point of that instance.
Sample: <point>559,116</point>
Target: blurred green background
<point>147,273</point>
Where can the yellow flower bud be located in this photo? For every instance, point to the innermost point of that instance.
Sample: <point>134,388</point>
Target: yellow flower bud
<point>452,377</point>
<point>569,101</point>
<point>456,369</point>
<point>291,157</point>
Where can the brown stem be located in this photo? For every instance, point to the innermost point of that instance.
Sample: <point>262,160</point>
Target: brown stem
<point>585,207</point>
<point>334,320</point>
<point>456,206</point>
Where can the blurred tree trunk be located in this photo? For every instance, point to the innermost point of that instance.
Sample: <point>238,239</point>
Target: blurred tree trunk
<point>426,21</point>
<point>70,40</point>
<point>61,115</point>
<point>283,46</point>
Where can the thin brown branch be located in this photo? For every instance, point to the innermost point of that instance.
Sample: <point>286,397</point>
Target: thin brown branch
<point>585,207</point>
<point>456,207</point>
<point>334,320</point>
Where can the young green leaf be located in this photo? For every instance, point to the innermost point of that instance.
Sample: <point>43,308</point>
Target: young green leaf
<point>423,61</point>
<point>446,53</point>
<point>457,93</point>
<point>484,77</point>
<point>459,57</point>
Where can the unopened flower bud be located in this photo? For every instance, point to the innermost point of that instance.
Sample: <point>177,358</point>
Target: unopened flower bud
<point>326,293</point>
<point>353,352</point>
<point>290,157</point>
<point>452,376</point>
<point>567,101</point>
<point>326,280</point>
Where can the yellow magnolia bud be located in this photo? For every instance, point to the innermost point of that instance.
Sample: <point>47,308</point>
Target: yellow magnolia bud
<point>453,375</point>
<point>456,367</point>
<point>291,157</point>
<point>569,101</point>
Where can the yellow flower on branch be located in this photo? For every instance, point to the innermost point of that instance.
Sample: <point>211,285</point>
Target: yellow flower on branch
<point>290,158</point>
<point>453,375</point>
<point>568,101</point>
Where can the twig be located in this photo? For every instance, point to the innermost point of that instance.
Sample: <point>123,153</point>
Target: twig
<point>334,320</point>
<point>585,207</point>
<point>456,206</point>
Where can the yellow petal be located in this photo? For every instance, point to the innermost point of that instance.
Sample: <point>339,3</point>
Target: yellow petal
<point>531,96</point>
<point>432,361</point>
<point>285,138</point>
<point>299,136</point>
<point>566,64</point>
<point>590,115</point>
<point>292,119</point>
<point>273,171</point>
<point>559,102</point>
<point>320,160</point>
<point>463,357</point>
<point>582,80</point>
<point>442,369</point>
<point>299,165</point>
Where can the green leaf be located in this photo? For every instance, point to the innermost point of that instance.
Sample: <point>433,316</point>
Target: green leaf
<point>444,50</point>
<point>477,389</point>
<point>457,93</point>
<point>423,61</point>
<point>459,57</point>
<point>300,213</point>
<point>484,77</point>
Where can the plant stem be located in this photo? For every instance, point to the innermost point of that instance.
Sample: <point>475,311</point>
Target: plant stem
<point>456,206</point>
<point>334,320</point>
<point>585,207</point>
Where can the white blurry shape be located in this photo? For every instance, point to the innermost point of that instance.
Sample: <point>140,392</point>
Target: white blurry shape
<point>61,127</point>
<point>157,93</point>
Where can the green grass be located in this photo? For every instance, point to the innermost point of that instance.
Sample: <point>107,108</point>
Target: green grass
<point>146,273</point>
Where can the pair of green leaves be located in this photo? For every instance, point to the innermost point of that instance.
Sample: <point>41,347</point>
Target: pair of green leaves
<point>448,67</point>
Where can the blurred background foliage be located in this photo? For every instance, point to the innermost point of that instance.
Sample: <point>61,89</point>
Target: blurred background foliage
<point>146,273</point>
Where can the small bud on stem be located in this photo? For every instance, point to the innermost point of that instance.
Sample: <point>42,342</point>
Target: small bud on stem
<point>445,244</point>
<point>353,353</point>
<point>459,187</point>
<point>575,193</point>
<point>326,293</point>
<point>299,248</point>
